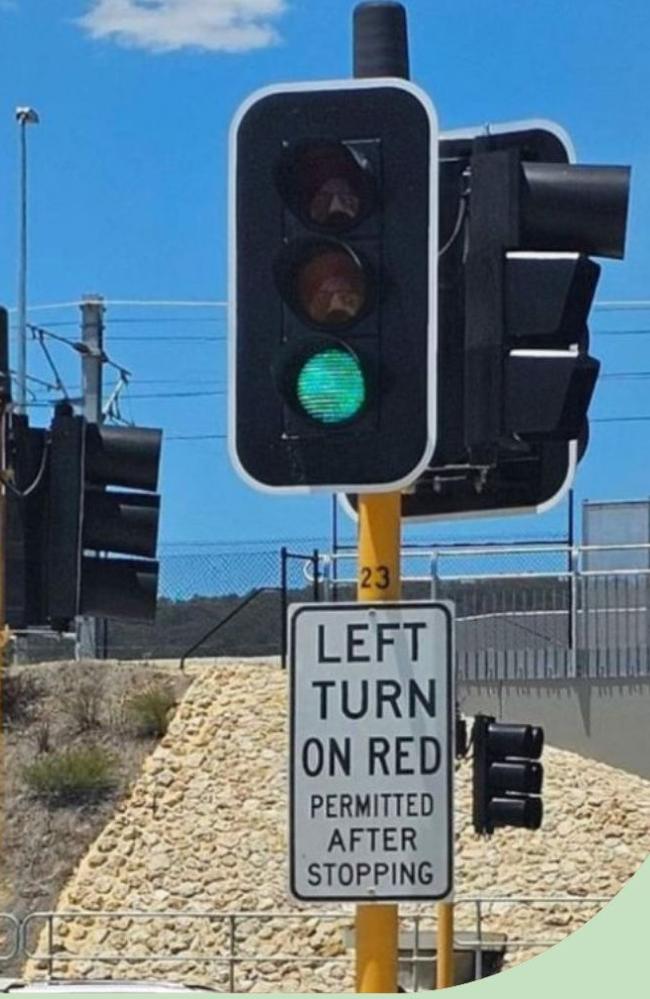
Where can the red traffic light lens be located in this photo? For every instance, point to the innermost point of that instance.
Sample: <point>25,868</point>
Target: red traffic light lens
<point>327,185</point>
<point>325,282</point>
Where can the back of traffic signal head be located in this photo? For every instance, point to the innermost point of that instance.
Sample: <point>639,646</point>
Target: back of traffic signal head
<point>518,224</point>
<point>87,516</point>
<point>26,526</point>
<point>5,377</point>
<point>507,779</point>
<point>333,242</point>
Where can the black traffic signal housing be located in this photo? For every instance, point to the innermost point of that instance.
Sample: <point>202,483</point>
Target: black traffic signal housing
<point>518,224</point>
<point>91,524</point>
<point>25,460</point>
<point>461,735</point>
<point>332,290</point>
<point>507,779</point>
<point>26,524</point>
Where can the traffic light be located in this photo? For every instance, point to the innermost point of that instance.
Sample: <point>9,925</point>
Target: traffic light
<point>26,525</point>
<point>332,286</point>
<point>507,777</point>
<point>90,522</point>
<point>518,225</point>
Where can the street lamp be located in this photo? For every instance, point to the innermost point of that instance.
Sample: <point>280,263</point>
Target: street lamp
<point>24,116</point>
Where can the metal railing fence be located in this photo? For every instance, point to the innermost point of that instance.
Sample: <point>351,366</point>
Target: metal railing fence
<point>530,612</point>
<point>540,611</point>
<point>10,930</point>
<point>234,940</point>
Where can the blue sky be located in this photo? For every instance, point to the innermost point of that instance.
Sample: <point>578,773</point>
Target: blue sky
<point>127,198</point>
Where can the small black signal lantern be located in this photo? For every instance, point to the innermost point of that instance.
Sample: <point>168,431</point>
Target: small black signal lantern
<point>92,525</point>
<point>508,778</point>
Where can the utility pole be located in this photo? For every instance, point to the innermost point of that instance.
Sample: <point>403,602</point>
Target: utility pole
<point>92,351</point>
<point>5,398</point>
<point>24,116</point>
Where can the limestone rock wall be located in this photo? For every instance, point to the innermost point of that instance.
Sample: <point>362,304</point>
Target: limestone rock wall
<point>204,830</point>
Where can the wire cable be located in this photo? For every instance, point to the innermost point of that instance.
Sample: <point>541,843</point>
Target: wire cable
<point>24,493</point>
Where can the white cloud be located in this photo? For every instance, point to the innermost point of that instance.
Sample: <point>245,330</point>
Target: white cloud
<point>164,25</point>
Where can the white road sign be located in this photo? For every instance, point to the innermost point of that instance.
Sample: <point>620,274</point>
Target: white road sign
<point>372,751</point>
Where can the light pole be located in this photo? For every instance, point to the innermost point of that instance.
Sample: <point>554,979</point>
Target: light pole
<point>24,116</point>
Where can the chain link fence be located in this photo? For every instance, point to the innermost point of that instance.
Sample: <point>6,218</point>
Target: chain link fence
<point>529,612</point>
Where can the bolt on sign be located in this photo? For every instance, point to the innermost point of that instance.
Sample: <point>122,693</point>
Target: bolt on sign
<point>372,751</point>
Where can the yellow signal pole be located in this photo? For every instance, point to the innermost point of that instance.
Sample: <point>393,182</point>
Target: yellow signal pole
<point>445,946</point>
<point>376,925</point>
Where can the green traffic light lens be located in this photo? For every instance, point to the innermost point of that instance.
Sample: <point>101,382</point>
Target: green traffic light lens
<point>331,387</point>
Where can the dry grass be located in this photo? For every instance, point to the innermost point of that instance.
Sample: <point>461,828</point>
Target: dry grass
<point>77,705</point>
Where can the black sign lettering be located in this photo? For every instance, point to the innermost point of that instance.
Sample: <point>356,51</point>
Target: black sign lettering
<point>414,627</point>
<point>354,642</point>
<point>331,757</point>
<point>322,655</point>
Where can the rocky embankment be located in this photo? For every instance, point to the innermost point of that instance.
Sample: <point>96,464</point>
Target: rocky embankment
<point>204,830</point>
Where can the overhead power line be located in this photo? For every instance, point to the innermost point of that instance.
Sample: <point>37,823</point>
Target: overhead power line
<point>642,418</point>
<point>605,305</point>
<point>195,437</point>
<point>175,339</point>
<point>638,332</point>
<point>623,305</point>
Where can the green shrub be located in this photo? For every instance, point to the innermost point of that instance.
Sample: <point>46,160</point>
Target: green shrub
<point>74,776</point>
<point>19,692</point>
<point>83,704</point>
<point>148,712</point>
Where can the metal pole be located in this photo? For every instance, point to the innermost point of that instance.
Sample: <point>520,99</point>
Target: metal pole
<point>24,116</point>
<point>574,568</point>
<point>283,606</point>
<point>335,545</point>
<point>479,938</point>
<point>445,948</point>
<point>92,359</point>
<point>315,557</point>
<point>380,48</point>
<point>5,396</point>
<point>376,926</point>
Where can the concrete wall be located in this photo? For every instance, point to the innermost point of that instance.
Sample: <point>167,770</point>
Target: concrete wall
<point>606,720</point>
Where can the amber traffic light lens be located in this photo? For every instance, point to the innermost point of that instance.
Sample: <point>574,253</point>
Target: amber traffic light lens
<point>332,288</point>
<point>327,185</point>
